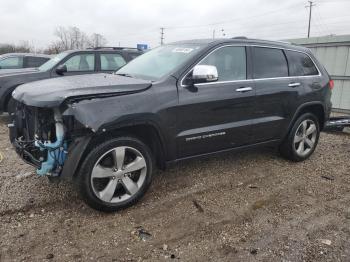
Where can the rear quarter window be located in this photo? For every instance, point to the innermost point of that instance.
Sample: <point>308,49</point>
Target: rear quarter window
<point>300,64</point>
<point>269,63</point>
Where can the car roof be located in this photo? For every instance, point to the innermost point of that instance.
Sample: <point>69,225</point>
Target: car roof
<point>25,54</point>
<point>242,40</point>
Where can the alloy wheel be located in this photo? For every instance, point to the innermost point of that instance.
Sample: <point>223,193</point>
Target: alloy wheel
<point>118,174</point>
<point>305,137</point>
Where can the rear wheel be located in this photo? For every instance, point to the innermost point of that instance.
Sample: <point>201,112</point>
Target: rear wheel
<point>116,174</point>
<point>302,139</point>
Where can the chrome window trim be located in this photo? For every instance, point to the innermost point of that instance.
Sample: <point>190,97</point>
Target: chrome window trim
<point>253,79</point>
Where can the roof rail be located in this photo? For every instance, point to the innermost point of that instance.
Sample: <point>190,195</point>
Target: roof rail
<point>114,48</point>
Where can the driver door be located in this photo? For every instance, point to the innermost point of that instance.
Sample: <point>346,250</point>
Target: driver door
<point>216,116</point>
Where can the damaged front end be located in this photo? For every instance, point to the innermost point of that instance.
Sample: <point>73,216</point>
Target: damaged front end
<point>42,137</point>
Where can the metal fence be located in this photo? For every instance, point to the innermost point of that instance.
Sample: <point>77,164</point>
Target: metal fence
<point>334,53</point>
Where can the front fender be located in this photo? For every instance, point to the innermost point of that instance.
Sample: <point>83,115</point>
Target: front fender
<point>75,153</point>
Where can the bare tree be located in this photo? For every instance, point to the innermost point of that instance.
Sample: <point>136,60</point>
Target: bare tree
<point>22,47</point>
<point>74,38</point>
<point>97,40</point>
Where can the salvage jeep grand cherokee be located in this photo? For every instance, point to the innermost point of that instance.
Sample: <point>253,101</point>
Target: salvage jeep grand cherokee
<point>108,132</point>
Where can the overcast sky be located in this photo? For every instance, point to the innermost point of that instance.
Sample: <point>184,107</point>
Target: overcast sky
<point>132,22</point>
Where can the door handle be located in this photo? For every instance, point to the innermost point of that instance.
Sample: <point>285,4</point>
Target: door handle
<point>244,89</point>
<point>294,84</point>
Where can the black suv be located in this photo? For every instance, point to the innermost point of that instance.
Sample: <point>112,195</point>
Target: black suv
<point>22,60</point>
<point>73,62</point>
<point>108,132</point>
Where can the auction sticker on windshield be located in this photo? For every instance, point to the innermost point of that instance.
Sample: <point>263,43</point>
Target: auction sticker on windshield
<point>182,50</point>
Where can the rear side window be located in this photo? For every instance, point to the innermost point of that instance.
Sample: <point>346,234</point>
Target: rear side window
<point>35,61</point>
<point>12,62</point>
<point>111,62</point>
<point>269,62</point>
<point>300,64</point>
<point>230,62</point>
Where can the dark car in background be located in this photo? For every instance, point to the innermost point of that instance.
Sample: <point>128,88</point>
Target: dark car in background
<point>22,60</point>
<point>68,63</point>
<point>188,99</point>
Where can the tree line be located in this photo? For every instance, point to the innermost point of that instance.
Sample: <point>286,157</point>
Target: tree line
<point>67,38</point>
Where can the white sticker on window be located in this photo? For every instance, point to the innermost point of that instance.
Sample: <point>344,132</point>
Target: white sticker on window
<point>182,50</point>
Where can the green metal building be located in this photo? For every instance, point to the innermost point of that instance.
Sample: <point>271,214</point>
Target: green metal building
<point>334,53</point>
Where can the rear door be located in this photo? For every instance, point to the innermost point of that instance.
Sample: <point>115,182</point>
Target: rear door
<point>277,93</point>
<point>217,116</point>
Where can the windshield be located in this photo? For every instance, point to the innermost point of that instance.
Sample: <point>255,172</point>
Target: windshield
<point>160,61</point>
<point>52,62</point>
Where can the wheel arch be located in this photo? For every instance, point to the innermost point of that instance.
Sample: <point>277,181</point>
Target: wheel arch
<point>145,131</point>
<point>317,108</point>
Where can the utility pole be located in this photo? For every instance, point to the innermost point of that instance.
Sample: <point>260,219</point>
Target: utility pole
<point>310,12</point>
<point>162,35</point>
<point>214,34</point>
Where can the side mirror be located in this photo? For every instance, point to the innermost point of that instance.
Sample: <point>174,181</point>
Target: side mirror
<point>61,69</point>
<point>204,74</point>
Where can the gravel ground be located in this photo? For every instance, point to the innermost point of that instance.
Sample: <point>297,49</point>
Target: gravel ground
<point>251,206</point>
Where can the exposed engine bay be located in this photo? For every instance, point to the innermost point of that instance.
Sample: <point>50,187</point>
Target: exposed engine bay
<point>39,135</point>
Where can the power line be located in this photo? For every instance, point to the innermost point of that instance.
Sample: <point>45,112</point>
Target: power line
<point>233,20</point>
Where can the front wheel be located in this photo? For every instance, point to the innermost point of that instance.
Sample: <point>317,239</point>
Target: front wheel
<point>302,139</point>
<point>116,174</point>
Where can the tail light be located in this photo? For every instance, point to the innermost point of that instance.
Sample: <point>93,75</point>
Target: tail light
<point>331,84</point>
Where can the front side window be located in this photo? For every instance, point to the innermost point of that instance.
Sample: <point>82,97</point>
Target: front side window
<point>160,62</point>
<point>11,62</point>
<point>53,61</point>
<point>80,62</point>
<point>300,64</point>
<point>230,62</point>
<point>111,62</point>
<point>269,63</point>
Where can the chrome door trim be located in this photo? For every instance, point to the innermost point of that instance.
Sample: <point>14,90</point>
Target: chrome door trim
<point>253,79</point>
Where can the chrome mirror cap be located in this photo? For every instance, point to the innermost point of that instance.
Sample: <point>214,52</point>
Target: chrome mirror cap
<point>205,73</point>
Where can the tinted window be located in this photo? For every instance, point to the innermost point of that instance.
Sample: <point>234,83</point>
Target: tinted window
<point>230,62</point>
<point>269,62</point>
<point>81,62</point>
<point>112,61</point>
<point>35,61</point>
<point>300,64</point>
<point>11,62</point>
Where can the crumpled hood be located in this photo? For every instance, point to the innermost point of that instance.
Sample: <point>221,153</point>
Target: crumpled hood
<point>52,92</point>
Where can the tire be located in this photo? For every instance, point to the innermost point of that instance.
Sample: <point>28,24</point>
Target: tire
<point>11,106</point>
<point>300,144</point>
<point>106,167</point>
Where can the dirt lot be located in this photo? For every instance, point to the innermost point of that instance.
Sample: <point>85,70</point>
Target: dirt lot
<point>251,206</point>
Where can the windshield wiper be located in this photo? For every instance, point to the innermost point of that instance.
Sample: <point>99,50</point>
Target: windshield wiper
<point>126,75</point>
